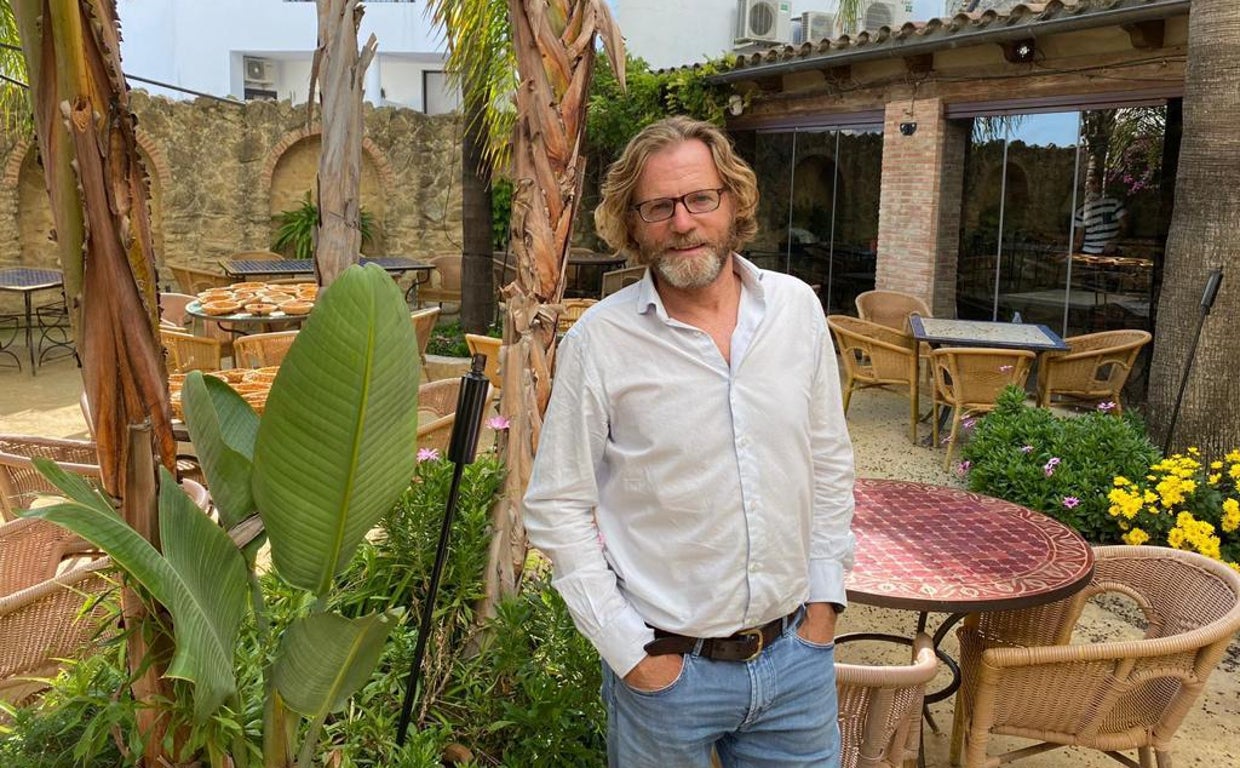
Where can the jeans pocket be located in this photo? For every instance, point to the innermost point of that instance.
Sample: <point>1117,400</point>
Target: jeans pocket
<point>686,660</point>
<point>812,645</point>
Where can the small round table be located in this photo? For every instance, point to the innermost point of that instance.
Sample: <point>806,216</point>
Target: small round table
<point>932,549</point>
<point>243,323</point>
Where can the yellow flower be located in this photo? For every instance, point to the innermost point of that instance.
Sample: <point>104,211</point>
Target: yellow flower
<point>1175,537</point>
<point>1231,515</point>
<point>1213,478</point>
<point>1216,465</point>
<point>1136,537</point>
<point>1233,456</point>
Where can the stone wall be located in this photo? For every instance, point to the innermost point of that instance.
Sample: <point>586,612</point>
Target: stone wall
<point>220,173</point>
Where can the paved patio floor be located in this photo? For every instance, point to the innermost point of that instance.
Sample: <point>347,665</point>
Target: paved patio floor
<point>47,404</point>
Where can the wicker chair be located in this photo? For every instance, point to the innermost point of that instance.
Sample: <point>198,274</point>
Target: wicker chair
<point>573,310</point>
<point>21,483</point>
<point>41,617</point>
<point>492,348</point>
<point>619,278</point>
<point>445,281</point>
<point>880,709</point>
<point>437,412</point>
<point>262,350</point>
<point>194,281</point>
<point>969,379</point>
<point>890,308</point>
<point>1023,677</point>
<point>423,326</point>
<point>190,353</point>
<point>874,355</point>
<point>1093,370</point>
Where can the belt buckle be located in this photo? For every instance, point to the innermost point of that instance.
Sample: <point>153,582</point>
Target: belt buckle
<point>756,633</point>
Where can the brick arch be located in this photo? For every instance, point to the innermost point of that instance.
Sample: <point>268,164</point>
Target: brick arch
<point>13,169</point>
<point>158,165</point>
<point>387,176</point>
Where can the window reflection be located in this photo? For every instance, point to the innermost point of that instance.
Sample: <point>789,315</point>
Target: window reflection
<point>818,212</point>
<point>1060,219</point>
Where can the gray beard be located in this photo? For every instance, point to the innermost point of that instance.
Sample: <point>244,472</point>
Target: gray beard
<point>688,274</point>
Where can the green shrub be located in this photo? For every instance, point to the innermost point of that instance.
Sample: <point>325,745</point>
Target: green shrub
<point>296,230</point>
<point>1060,465</point>
<point>449,339</point>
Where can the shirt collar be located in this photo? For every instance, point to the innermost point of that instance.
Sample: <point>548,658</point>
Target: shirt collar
<point>751,281</point>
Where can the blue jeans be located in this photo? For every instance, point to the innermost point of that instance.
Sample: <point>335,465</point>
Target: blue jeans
<point>777,711</point>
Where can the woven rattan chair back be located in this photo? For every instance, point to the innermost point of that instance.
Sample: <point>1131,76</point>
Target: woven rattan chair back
<point>262,350</point>
<point>172,308</point>
<point>573,310</point>
<point>969,380</point>
<point>423,326</point>
<point>492,348</point>
<point>1093,370</point>
<point>880,709</point>
<point>890,308</point>
<point>619,278</point>
<point>445,281</point>
<point>21,483</point>
<point>194,281</point>
<point>1113,695</point>
<point>874,355</point>
<point>187,352</point>
<point>438,398</point>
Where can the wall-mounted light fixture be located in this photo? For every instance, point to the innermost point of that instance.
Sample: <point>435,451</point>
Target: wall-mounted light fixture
<point>908,129</point>
<point>1020,51</point>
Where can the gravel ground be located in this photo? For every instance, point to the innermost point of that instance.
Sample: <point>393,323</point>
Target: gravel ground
<point>47,404</point>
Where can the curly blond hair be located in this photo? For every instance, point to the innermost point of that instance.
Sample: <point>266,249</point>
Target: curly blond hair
<point>613,217</point>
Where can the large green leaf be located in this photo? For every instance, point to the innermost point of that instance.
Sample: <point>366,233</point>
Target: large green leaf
<point>325,658</point>
<point>202,581</point>
<point>223,428</point>
<point>335,444</point>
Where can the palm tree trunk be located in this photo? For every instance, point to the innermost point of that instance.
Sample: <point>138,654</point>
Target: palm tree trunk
<point>554,42</point>
<point>342,69</point>
<point>477,290</point>
<point>99,194</point>
<point>1203,236</point>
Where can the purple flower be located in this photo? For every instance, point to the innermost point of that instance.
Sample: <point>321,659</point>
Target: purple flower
<point>963,467</point>
<point>428,454</point>
<point>1049,468</point>
<point>968,423</point>
<point>1071,502</point>
<point>1026,449</point>
<point>1005,368</point>
<point>498,423</point>
<point>1106,407</point>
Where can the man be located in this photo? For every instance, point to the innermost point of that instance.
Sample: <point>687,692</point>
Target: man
<point>693,484</point>
<point>1099,222</point>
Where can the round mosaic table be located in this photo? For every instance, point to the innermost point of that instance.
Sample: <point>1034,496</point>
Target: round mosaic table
<point>929,548</point>
<point>932,549</point>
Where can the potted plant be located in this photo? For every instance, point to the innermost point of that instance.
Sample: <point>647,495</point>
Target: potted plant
<point>297,228</point>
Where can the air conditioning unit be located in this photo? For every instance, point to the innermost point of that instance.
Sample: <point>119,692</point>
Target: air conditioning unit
<point>873,14</point>
<point>817,25</point>
<point>259,70</point>
<point>763,21</point>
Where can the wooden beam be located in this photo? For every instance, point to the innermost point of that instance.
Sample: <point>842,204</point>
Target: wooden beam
<point>919,65</point>
<point>1147,34</point>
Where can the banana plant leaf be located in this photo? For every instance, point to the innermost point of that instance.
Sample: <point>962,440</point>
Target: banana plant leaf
<point>201,580</point>
<point>325,658</point>
<point>223,428</point>
<point>336,442</point>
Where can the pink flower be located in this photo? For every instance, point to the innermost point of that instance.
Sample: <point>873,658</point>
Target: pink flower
<point>1049,468</point>
<point>498,423</point>
<point>1071,502</point>
<point>968,423</point>
<point>1026,449</point>
<point>963,468</point>
<point>1106,407</point>
<point>428,454</point>
<point>1005,368</point>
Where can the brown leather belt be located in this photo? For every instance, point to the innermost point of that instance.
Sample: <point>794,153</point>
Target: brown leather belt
<point>742,646</point>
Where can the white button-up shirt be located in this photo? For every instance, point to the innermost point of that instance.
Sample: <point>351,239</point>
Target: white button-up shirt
<point>674,490</point>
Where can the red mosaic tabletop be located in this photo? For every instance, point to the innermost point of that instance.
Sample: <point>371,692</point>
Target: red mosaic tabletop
<point>929,548</point>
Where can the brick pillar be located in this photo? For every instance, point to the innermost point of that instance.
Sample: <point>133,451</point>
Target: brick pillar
<point>919,206</point>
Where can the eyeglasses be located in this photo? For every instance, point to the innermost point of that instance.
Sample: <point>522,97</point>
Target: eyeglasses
<point>664,208</point>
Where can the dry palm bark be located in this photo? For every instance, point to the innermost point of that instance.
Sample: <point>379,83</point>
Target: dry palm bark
<point>554,42</point>
<point>99,195</point>
<point>1202,237</point>
<point>340,70</point>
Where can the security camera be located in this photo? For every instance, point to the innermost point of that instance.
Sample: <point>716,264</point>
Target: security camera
<point>908,129</point>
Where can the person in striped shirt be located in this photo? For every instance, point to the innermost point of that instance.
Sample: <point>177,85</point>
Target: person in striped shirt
<point>1099,222</point>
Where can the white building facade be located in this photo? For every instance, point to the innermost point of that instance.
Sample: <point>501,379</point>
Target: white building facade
<point>263,49</point>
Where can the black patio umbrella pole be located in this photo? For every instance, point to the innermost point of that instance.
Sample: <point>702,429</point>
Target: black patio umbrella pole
<point>1207,303</point>
<point>469,406</point>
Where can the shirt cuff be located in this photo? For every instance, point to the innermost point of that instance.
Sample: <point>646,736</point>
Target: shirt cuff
<point>826,583</point>
<point>622,644</point>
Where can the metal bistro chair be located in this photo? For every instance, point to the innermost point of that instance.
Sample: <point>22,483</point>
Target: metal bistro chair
<point>1093,370</point>
<point>969,379</point>
<point>9,326</point>
<point>1022,674</point>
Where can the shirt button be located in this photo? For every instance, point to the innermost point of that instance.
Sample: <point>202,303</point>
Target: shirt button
<point>754,567</point>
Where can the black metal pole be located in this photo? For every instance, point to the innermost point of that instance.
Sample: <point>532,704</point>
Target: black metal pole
<point>469,407</point>
<point>1207,302</point>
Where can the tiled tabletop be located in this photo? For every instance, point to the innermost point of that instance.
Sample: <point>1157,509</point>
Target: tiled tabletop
<point>980,333</point>
<point>28,278</point>
<point>929,548</point>
<point>239,267</point>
